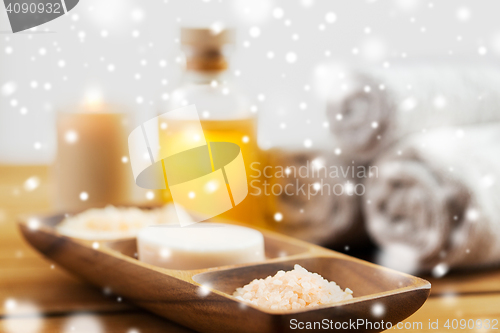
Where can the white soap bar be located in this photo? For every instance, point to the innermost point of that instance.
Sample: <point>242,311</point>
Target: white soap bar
<point>200,245</point>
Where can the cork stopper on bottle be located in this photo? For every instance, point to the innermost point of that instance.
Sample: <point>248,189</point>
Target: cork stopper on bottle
<point>204,48</point>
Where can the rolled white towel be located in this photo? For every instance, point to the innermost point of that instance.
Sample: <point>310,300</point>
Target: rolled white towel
<point>310,200</point>
<point>371,108</point>
<point>435,204</point>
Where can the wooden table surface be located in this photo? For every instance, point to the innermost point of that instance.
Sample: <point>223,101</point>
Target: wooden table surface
<point>47,299</point>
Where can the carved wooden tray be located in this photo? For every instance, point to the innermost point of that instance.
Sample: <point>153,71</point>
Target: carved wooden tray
<point>201,299</point>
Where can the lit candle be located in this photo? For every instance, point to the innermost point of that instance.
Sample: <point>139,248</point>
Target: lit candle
<point>91,168</point>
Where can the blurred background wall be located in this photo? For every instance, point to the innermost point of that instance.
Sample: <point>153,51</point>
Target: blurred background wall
<point>127,52</point>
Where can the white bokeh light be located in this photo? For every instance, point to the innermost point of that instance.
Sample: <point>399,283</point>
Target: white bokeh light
<point>254,32</point>
<point>463,14</point>
<point>374,49</point>
<point>278,13</point>
<point>83,323</point>
<point>31,183</point>
<point>440,270</point>
<point>378,310</point>
<point>111,15</point>
<point>84,196</point>
<point>330,17</point>
<point>439,102</point>
<point>9,88</point>
<point>71,136</point>
<point>211,186</point>
<point>252,11</point>
<point>291,57</point>
<point>14,318</point>
<point>33,223</point>
<point>203,290</point>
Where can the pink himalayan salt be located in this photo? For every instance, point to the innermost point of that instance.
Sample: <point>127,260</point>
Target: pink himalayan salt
<point>295,289</point>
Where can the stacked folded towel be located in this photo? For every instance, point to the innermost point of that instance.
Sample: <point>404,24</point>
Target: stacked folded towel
<point>371,108</point>
<point>435,204</point>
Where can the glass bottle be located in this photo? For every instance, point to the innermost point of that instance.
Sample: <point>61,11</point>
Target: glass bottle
<point>223,111</point>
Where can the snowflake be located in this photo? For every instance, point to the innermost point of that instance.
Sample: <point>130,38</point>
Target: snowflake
<point>31,183</point>
<point>463,14</point>
<point>439,102</point>
<point>84,196</point>
<point>278,13</point>
<point>291,57</point>
<point>71,136</point>
<point>307,3</point>
<point>440,270</point>
<point>278,217</point>
<point>378,310</point>
<point>9,88</point>
<point>254,32</point>
<point>137,15</point>
<point>330,17</point>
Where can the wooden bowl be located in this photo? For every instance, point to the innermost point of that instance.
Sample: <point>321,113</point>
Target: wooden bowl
<point>201,299</point>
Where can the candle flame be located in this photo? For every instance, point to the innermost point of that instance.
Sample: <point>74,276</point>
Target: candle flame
<point>93,100</point>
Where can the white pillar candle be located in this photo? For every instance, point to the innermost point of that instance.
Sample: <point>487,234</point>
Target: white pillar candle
<point>200,245</point>
<point>92,167</point>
